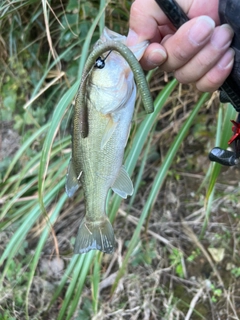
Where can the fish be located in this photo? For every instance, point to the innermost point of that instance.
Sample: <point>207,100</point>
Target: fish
<point>104,107</point>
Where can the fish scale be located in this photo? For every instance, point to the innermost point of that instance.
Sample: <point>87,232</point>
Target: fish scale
<point>103,168</point>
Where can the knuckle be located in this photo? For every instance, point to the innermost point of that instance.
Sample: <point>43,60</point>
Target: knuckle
<point>135,9</point>
<point>181,76</point>
<point>215,78</point>
<point>180,54</point>
<point>205,88</point>
<point>204,61</point>
<point>209,83</point>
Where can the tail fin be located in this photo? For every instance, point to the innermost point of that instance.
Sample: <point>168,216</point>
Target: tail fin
<point>95,236</point>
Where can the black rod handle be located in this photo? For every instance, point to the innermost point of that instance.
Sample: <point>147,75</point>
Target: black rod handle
<point>173,11</point>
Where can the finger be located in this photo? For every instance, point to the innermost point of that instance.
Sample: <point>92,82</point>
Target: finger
<point>204,7</point>
<point>154,55</point>
<point>209,56</point>
<point>187,42</point>
<point>145,17</point>
<point>213,79</point>
<point>181,46</point>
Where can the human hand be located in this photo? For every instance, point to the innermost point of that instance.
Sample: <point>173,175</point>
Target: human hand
<point>198,52</point>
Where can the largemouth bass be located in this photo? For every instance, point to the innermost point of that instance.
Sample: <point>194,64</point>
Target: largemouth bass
<point>101,125</point>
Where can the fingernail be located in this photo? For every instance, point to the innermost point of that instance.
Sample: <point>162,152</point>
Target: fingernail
<point>132,38</point>
<point>222,37</point>
<point>156,57</point>
<point>227,60</point>
<point>201,30</point>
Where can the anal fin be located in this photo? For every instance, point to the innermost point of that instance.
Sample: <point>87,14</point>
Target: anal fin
<point>123,184</point>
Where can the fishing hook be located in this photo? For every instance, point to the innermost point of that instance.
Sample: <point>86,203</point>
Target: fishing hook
<point>100,62</point>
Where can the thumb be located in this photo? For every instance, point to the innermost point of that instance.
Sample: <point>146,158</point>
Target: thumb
<point>132,38</point>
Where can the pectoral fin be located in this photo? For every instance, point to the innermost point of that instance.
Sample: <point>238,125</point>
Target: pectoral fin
<point>72,181</point>
<point>110,128</point>
<point>123,185</point>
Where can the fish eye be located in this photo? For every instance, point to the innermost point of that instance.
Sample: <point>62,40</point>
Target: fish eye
<point>99,63</point>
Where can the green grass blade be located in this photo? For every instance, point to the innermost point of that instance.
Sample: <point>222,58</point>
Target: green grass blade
<point>95,281</point>
<point>72,296</point>
<point>146,126</point>
<point>67,274</point>
<point>223,134</point>
<point>141,170</point>
<point>223,143</point>
<point>140,138</point>
<point>24,147</point>
<point>8,221</point>
<point>20,234</point>
<point>217,143</point>
<point>80,283</point>
<point>76,274</point>
<point>41,243</point>
<point>88,39</point>
<point>52,65</point>
<point>55,123</point>
<point>102,7</point>
<point>157,184</point>
<point>22,191</point>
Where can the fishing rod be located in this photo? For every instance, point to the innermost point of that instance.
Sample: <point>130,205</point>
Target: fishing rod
<point>229,91</point>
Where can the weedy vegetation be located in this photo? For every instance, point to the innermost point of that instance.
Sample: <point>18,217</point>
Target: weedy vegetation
<point>178,235</point>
